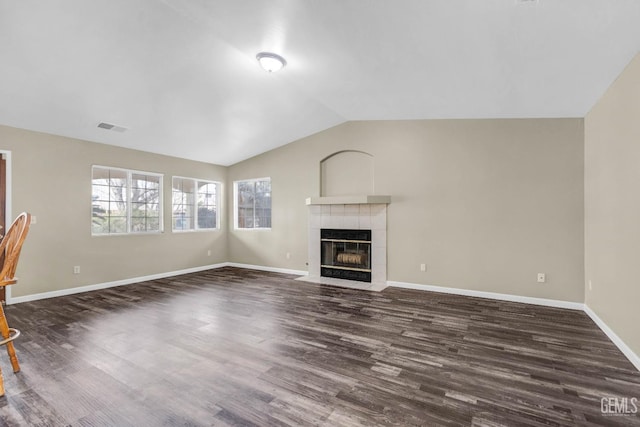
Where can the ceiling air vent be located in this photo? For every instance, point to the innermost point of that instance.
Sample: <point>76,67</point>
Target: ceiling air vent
<point>109,126</point>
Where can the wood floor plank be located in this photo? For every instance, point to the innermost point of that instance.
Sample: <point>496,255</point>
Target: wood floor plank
<point>237,347</point>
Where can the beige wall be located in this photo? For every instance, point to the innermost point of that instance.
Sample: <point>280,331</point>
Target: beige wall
<point>52,179</point>
<point>486,204</point>
<point>347,173</point>
<point>612,206</point>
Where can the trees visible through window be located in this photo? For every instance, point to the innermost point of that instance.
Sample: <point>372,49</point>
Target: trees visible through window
<point>125,201</point>
<point>253,203</point>
<point>195,204</point>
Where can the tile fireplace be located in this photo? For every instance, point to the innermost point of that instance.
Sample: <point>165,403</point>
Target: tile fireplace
<point>348,241</point>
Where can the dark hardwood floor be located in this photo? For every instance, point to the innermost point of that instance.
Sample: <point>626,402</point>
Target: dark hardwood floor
<point>241,348</point>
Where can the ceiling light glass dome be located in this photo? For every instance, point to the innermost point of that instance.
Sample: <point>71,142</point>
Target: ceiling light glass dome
<point>271,62</point>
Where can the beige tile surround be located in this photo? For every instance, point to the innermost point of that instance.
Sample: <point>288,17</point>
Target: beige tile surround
<point>355,217</point>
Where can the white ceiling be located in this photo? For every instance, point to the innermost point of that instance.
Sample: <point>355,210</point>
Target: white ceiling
<point>182,74</point>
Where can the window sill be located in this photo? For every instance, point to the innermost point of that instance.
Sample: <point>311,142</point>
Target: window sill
<point>252,229</point>
<point>149,233</point>
<point>200,230</point>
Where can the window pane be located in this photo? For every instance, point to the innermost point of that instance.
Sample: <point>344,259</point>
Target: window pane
<point>109,201</point>
<point>245,194</point>
<point>253,204</point>
<point>145,203</point>
<point>244,203</point>
<point>263,204</point>
<point>141,181</point>
<point>193,199</point>
<point>207,205</point>
<point>142,224</point>
<point>182,205</point>
<point>153,224</point>
<point>117,224</point>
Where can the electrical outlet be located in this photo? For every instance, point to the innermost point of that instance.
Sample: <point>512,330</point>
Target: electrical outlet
<point>33,219</point>
<point>423,267</point>
<point>542,277</point>
<point>288,255</point>
<point>590,285</point>
<point>209,252</point>
<point>76,269</point>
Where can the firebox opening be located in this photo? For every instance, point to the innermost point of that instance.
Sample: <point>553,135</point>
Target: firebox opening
<point>346,254</point>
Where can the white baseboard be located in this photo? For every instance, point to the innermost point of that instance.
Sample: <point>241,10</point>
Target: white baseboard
<point>271,269</point>
<point>624,348</point>
<point>490,295</point>
<point>87,288</point>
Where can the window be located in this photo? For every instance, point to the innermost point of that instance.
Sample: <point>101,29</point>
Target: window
<point>253,203</point>
<point>195,204</point>
<point>125,201</point>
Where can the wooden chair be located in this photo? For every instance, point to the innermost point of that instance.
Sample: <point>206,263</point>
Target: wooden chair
<point>10,248</point>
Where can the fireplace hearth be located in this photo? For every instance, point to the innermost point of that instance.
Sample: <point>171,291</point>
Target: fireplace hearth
<point>345,254</point>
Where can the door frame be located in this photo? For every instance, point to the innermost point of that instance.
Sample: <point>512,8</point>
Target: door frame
<point>7,213</point>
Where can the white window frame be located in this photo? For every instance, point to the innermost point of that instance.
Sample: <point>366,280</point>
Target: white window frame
<point>195,205</point>
<point>235,204</point>
<point>129,173</point>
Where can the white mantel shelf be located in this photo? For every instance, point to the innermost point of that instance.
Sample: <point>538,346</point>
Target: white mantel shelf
<point>349,200</point>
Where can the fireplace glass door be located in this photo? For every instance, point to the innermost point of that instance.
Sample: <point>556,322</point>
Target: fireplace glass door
<point>346,254</point>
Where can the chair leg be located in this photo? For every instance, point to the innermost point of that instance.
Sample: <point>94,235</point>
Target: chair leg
<point>12,356</point>
<point>4,330</point>
<point>1,384</point>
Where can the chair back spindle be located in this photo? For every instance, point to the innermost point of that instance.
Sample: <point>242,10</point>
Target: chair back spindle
<point>11,246</point>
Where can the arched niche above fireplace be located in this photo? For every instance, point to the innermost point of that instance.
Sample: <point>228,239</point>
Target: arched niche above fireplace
<point>347,173</point>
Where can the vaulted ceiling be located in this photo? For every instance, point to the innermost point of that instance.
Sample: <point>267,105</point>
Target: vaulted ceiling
<point>182,77</point>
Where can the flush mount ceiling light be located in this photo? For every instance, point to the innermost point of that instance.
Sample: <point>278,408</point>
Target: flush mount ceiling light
<point>271,62</point>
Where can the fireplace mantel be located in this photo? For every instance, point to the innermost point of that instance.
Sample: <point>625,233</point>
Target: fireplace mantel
<point>349,200</point>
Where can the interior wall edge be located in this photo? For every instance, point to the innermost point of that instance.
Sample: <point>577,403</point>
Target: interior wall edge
<point>624,348</point>
<point>266,268</point>
<point>571,305</point>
